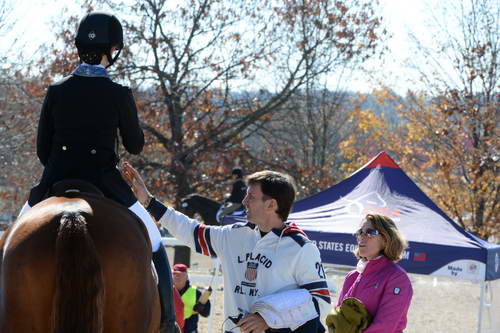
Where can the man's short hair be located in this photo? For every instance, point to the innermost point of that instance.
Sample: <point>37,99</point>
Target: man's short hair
<point>277,186</point>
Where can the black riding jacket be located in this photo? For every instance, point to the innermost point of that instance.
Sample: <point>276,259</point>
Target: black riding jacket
<point>78,133</point>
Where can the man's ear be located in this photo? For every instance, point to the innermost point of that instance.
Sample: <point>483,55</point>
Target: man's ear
<point>272,204</point>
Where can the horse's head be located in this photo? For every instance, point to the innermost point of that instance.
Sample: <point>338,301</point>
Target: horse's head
<point>188,205</point>
<point>206,208</point>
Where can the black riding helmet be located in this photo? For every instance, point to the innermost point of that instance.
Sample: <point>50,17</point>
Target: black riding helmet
<point>96,34</point>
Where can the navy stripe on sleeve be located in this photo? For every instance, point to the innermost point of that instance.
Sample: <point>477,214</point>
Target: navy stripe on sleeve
<point>316,305</point>
<point>156,209</point>
<point>318,289</point>
<point>315,285</point>
<point>196,241</point>
<point>209,243</point>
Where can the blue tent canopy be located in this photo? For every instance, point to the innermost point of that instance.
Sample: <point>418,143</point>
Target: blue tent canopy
<point>438,245</point>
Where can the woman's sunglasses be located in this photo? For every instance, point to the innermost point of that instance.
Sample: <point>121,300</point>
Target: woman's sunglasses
<point>368,232</point>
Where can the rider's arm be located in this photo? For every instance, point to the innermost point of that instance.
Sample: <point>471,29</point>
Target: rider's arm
<point>45,130</point>
<point>130,130</point>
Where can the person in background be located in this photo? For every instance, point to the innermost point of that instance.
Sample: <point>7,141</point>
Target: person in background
<point>179,309</point>
<point>378,282</point>
<point>235,199</point>
<point>239,188</point>
<point>194,305</point>
<point>264,261</point>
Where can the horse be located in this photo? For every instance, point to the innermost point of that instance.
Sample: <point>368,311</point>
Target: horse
<point>206,208</point>
<point>79,263</point>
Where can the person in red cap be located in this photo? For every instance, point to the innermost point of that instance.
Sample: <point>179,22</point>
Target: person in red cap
<point>179,309</point>
<point>193,305</point>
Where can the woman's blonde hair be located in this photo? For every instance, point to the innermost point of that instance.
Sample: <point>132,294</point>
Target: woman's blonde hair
<point>395,243</point>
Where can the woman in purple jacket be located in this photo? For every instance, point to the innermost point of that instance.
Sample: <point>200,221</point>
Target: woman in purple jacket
<point>378,282</point>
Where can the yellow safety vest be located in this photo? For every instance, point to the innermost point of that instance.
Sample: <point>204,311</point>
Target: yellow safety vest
<point>189,299</point>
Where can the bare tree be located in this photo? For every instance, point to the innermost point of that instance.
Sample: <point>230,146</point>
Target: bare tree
<point>5,12</point>
<point>303,139</point>
<point>453,126</point>
<point>17,126</point>
<point>198,56</point>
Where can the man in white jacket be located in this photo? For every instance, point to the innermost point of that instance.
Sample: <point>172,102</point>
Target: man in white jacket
<point>265,256</point>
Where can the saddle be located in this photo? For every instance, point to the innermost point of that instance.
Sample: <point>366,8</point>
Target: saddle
<point>73,185</point>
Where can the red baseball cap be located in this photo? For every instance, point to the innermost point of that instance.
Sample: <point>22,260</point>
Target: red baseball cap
<point>179,268</point>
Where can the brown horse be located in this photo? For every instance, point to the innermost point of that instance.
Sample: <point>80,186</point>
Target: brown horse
<point>79,263</point>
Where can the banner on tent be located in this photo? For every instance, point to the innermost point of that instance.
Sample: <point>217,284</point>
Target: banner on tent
<point>463,269</point>
<point>348,247</point>
<point>419,258</point>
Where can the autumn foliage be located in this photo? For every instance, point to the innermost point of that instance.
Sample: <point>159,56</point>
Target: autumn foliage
<point>221,84</point>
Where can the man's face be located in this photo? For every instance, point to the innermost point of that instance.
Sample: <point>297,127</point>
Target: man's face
<point>255,206</point>
<point>180,279</point>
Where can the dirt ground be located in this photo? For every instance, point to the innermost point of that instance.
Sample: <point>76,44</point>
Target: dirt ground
<point>439,305</point>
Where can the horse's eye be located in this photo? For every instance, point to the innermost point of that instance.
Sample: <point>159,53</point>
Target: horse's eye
<point>184,204</point>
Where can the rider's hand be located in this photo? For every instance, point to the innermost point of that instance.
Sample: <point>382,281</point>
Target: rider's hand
<point>253,323</point>
<point>135,181</point>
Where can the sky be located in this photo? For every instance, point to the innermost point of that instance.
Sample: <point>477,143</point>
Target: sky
<point>32,22</point>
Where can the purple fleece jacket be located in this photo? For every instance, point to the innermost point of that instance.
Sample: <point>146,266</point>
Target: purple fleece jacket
<point>385,290</point>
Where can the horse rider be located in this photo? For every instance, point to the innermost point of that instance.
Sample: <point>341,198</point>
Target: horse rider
<point>78,135</point>
<point>238,192</point>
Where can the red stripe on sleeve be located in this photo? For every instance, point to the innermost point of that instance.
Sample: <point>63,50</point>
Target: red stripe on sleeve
<point>324,292</point>
<point>201,239</point>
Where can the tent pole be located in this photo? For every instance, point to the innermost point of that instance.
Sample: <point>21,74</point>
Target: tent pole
<point>481,307</point>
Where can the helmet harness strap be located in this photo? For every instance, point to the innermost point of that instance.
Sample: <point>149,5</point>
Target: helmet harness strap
<point>111,60</point>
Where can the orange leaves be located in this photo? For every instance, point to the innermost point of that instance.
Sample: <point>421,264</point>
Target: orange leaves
<point>444,143</point>
<point>368,121</point>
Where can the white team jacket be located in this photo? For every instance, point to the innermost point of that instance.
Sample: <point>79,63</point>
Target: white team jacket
<point>253,266</point>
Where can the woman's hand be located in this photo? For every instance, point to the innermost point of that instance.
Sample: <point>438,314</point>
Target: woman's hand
<point>135,181</point>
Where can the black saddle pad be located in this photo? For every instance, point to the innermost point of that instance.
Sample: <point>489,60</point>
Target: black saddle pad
<point>73,185</point>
